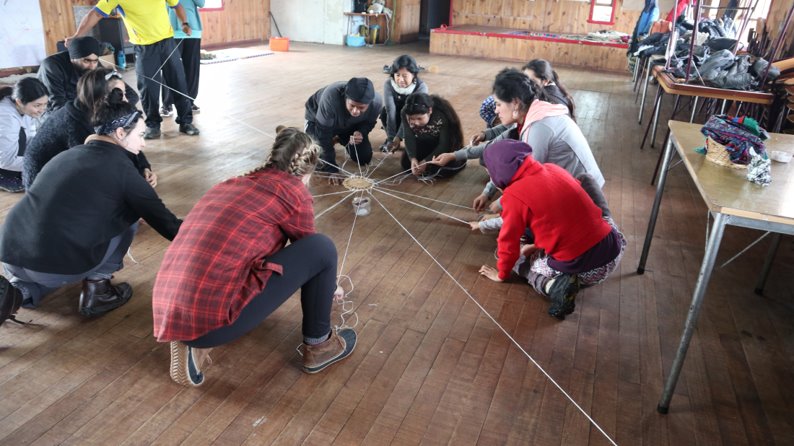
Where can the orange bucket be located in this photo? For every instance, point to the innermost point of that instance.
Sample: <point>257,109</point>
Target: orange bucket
<point>279,44</point>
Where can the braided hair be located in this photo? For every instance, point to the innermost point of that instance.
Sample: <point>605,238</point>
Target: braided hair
<point>293,152</point>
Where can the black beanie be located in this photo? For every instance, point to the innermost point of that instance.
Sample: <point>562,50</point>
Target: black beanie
<point>83,46</point>
<point>360,89</point>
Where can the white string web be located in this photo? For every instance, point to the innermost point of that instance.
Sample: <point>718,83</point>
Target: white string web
<point>346,303</point>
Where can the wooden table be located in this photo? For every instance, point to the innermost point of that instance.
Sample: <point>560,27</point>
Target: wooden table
<point>731,200</point>
<point>669,85</point>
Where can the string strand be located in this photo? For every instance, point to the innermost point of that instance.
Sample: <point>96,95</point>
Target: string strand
<point>421,206</point>
<point>542,370</point>
<point>427,198</point>
<point>331,193</point>
<point>400,173</point>
<point>334,205</point>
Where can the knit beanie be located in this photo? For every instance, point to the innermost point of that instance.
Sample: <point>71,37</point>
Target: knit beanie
<point>83,46</point>
<point>360,89</point>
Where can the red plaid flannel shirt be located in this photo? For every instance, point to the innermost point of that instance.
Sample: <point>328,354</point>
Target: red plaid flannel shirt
<point>218,261</point>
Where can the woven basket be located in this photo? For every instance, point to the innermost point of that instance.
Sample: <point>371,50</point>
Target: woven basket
<point>717,154</point>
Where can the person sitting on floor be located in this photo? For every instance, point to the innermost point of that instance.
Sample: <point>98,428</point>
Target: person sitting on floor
<point>78,219</point>
<point>403,81</point>
<point>430,127</point>
<point>542,73</point>
<point>69,126</point>
<point>576,242</point>
<point>230,266</point>
<point>539,71</point>
<point>61,71</point>
<point>547,128</point>
<point>343,112</point>
<point>20,107</point>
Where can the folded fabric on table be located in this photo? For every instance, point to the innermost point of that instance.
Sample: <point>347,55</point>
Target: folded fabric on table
<point>738,135</point>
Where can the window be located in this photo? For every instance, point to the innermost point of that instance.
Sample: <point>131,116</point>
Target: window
<point>602,11</point>
<point>212,5</point>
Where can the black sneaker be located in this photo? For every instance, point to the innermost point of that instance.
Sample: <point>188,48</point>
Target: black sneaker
<point>196,109</point>
<point>10,301</point>
<point>563,295</point>
<point>166,111</point>
<point>151,133</point>
<point>188,129</point>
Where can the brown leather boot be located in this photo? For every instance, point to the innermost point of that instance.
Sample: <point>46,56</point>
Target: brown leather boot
<point>100,296</point>
<point>337,347</point>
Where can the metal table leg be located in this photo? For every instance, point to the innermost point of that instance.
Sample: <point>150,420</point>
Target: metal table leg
<point>646,247</point>
<point>713,245</point>
<point>657,103</point>
<point>694,109</point>
<point>645,89</point>
<point>770,257</point>
<point>657,109</point>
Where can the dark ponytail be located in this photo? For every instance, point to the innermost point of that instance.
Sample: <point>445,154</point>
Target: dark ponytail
<point>545,72</point>
<point>115,112</point>
<point>25,90</point>
<point>92,89</point>
<point>513,84</point>
<point>420,104</point>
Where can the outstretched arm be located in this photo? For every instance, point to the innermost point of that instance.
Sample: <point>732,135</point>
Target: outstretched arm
<point>87,24</point>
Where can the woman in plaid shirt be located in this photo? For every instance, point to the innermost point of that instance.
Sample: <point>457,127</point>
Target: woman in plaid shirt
<point>229,268</point>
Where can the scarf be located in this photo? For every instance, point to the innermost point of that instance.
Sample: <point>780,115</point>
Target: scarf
<point>403,91</point>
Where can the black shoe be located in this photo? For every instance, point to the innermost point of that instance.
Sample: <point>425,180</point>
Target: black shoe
<point>10,301</point>
<point>166,111</point>
<point>563,295</point>
<point>100,296</point>
<point>196,109</point>
<point>188,129</point>
<point>151,133</point>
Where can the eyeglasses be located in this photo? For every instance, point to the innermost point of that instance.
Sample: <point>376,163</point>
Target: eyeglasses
<point>113,74</point>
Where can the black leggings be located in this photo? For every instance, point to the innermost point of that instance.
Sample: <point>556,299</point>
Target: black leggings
<point>309,264</point>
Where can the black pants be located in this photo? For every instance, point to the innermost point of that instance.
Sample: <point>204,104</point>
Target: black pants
<point>423,153</point>
<point>309,264</point>
<point>190,52</point>
<point>360,153</point>
<point>148,59</point>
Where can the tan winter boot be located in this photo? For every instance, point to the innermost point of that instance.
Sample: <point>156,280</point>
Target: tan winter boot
<point>337,347</point>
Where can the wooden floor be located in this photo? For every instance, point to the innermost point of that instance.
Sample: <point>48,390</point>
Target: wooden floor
<point>430,366</point>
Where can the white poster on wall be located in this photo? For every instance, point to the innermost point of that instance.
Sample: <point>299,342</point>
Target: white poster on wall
<point>21,34</point>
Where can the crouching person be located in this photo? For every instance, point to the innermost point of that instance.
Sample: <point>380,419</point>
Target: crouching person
<point>229,268</point>
<point>577,244</point>
<point>79,217</point>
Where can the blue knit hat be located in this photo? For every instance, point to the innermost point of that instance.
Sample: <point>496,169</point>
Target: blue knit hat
<point>488,110</point>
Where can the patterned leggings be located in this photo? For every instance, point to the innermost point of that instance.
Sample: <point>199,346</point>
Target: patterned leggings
<point>537,271</point>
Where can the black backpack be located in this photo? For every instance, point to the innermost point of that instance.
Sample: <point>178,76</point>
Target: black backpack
<point>10,301</point>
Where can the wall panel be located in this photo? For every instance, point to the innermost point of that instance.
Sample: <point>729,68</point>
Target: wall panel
<point>240,20</point>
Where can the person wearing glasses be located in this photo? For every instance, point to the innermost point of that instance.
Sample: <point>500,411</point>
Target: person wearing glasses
<point>61,71</point>
<point>20,107</point>
<point>151,34</point>
<point>70,125</point>
<point>77,220</point>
